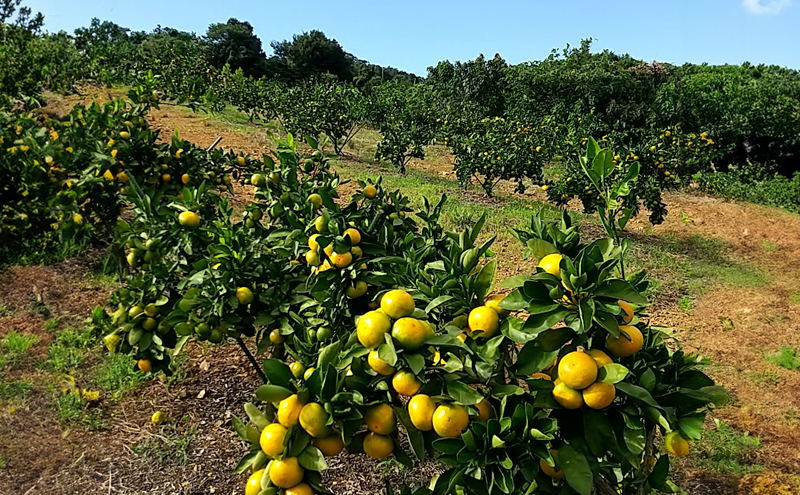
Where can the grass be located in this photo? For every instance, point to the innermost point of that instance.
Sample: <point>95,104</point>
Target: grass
<point>787,357</point>
<point>117,375</point>
<point>14,345</point>
<point>725,450</point>
<point>51,324</point>
<point>794,298</point>
<point>68,350</point>
<point>72,411</point>
<point>14,390</point>
<point>171,445</point>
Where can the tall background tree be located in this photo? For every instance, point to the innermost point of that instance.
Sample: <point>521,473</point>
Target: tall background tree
<point>311,54</point>
<point>234,43</point>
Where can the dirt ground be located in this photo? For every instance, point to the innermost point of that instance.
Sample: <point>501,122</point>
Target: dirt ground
<point>734,325</point>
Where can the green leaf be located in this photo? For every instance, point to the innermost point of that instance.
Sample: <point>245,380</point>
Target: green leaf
<point>634,440</point>
<point>541,322</point>
<point>541,248</point>
<point>533,358</point>
<point>486,279</point>
<point>278,373</point>
<point>612,373</point>
<point>256,416</point>
<point>576,470</point>
<point>463,393</point>
<point>620,289</point>
<point>415,438</point>
<point>312,459</point>
<point>637,392</point>
<point>437,302</point>
<point>329,354</point>
<point>658,477</point>
<point>272,393</point>
<point>415,361</point>
<point>514,282</point>
<point>692,426</point>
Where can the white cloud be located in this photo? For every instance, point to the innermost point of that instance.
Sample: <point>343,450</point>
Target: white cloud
<point>765,7</point>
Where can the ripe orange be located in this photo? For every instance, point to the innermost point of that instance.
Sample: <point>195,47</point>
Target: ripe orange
<point>380,419</point>
<point>484,319</point>
<point>299,489</point>
<point>186,178</point>
<point>313,419</point>
<point>621,346</point>
<point>493,302</point>
<point>341,260</point>
<point>378,446</point>
<point>189,219</point>
<point>379,365</point>
<point>420,410</point>
<point>484,410</point>
<point>286,473</point>
<point>253,486</point>
<point>599,395</point>
<point>312,242</point>
<point>600,358</point>
<point>551,264</point>
<point>271,439</point>
<point>371,329</point>
<point>577,370</point>
<point>289,410</point>
<point>553,472</point>
<point>569,398</point>
<point>329,446</point>
<point>627,311</point>
<point>397,304</point>
<point>370,191</point>
<point>145,365</point>
<point>355,235</point>
<point>405,383</point>
<point>449,420</point>
<point>411,333</point>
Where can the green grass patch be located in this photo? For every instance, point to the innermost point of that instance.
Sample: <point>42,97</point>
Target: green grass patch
<point>51,324</point>
<point>172,445</point>
<point>794,298</point>
<point>14,345</point>
<point>787,357</point>
<point>14,390</point>
<point>725,450</point>
<point>68,350</point>
<point>117,376</point>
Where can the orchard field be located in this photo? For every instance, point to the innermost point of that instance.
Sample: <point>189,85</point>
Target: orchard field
<point>476,282</point>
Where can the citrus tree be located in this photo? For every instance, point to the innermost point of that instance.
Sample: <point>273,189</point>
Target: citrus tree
<point>406,122</point>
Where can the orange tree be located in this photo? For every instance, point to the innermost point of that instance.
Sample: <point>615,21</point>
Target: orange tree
<point>495,149</point>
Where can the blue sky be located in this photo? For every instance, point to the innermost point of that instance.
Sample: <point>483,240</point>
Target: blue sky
<point>415,34</point>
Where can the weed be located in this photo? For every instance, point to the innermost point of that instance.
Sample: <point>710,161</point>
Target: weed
<point>686,304</point>
<point>766,377</point>
<point>787,357</point>
<point>794,298</point>
<point>51,324</point>
<point>68,350</point>
<point>118,376</point>
<point>768,246</point>
<point>171,445</point>
<point>72,411</point>
<point>725,450</point>
<point>14,390</point>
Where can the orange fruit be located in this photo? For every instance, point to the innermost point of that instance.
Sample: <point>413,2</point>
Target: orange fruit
<point>312,242</point>
<point>378,446</point>
<point>493,302</point>
<point>577,370</point>
<point>379,365</point>
<point>420,410</point>
<point>449,420</point>
<point>329,446</point>
<point>405,383</point>
<point>189,219</point>
<point>355,235</point>
<point>542,376</point>
<point>484,319</point>
<point>569,398</point>
<point>600,358</point>
<point>341,260</point>
<point>371,329</point>
<point>244,295</point>
<point>145,365</point>
<point>370,191</point>
<point>289,410</point>
<point>357,290</point>
<point>275,337</point>
<point>411,333</point>
<point>627,311</point>
<point>397,304</point>
<point>286,473</point>
<point>313,419</point>
<point>621,346</point>
<point>380,419</point>
<point>484,410</point>
<point>599,395</point>
<point>271,439</point>
<point>299,489</point>
<point>551,264</point>
<point>253,486</point>
<point>553,472</point>
<point>676,444</point>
